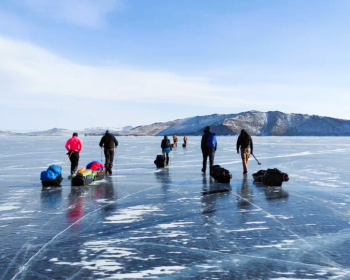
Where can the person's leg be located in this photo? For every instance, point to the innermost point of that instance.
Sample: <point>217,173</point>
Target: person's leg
<point>167,158</point>
<point>243,160</point>
<point>205,157</point>
<point>211,157</point>
<point>74,162</point>
<point>247,155</point>
<point>111,158</point>
<point>107,159</point>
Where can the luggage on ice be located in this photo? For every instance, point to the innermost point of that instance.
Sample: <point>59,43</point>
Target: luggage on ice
<point>80,180</point>
<point>83,178</point>
<point>271,177</point>
<point>52,177</point>
<point>99,175</point>
<point>160,161</point>
<point>220,174</point>
<point>184,145</point>
<point>259,176</point>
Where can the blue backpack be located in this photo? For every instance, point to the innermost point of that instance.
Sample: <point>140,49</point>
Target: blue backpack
<point>211,141</point>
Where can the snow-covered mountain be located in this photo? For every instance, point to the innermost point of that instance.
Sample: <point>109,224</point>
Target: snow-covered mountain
<point>256,123</point>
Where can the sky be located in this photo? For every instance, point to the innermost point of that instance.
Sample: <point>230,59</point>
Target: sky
<point>114,63</point>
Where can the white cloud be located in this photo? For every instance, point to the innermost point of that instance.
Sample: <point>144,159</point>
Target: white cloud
<point>90,13</point>
<point>30,70</point>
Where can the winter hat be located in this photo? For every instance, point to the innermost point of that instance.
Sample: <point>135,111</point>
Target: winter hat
<point>207,129</point>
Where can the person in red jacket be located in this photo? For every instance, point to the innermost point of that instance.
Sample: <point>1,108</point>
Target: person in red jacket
<point>74,147</point>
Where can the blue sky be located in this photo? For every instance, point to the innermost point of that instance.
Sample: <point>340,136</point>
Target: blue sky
<point>87,63</point>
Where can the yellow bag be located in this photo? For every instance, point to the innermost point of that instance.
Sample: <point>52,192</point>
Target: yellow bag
<point>87,172</point>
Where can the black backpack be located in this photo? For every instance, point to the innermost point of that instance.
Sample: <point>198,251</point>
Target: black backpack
<point>220,174</point>
<point>160,161</point>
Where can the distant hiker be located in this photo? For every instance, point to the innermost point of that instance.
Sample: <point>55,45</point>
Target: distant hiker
<point>165,145</point>
<point>74,147</point>
<point>246,143</point>
<point>175,140</point>
<point>109,142</point>
<point>185,140</point>
<point>209,146</point>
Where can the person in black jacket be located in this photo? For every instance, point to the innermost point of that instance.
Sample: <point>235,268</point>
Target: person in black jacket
<point>207,151</point>
<point>108,141</point>
<point>246,143</point>
<point>165,144</point>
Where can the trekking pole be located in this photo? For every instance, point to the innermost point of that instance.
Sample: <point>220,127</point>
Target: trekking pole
<point>256,159</point>
<point>101,154</point>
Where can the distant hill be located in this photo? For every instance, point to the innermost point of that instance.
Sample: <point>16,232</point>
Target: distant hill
<point>7,133</point>
<point>68,132</point>
<point>256,123</point>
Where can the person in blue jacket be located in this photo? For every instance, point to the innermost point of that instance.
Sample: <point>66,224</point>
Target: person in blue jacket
<point>208,146</point>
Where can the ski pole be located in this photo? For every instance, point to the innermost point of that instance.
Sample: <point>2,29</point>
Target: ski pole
<point>256,159</point>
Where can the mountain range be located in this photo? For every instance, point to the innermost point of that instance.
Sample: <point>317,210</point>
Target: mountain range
<point>273,123</point>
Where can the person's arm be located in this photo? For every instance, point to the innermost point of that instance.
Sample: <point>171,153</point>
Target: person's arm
<point>101,142</point>
<point>68,145</point>
<point>115,141</point>
<point>216,145</point>
<point>238,143</point>
<point>251,145</point>
<point>80,146</point>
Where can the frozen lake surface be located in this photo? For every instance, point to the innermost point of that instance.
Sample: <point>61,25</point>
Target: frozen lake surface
<point>147,223</point>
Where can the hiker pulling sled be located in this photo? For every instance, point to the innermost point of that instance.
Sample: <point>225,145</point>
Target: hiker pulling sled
<point>109,143</point>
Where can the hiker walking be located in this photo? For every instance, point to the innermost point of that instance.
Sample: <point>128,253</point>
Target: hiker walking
<point>175,140</point>
<point>165,145</point>
<point>246,143</point>
<point>185,140</point>
<point>74,147</point>
<point>109,142</point>
<point>209,146</point>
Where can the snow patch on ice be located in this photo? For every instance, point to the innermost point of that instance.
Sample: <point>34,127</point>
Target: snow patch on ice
<point>148,272</point>
<point>247,229</point>
<point>8,207</point>
<point>174,225</point>
<point>131,214</point>
<point>254,223</point>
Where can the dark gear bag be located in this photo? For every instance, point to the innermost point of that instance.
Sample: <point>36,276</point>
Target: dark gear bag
<point>259,176</point>
<point>160,161</point>
<point>273,177</point>
<point>220,174</point>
